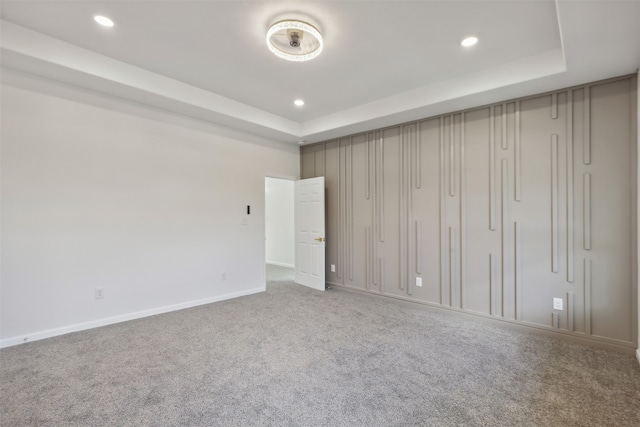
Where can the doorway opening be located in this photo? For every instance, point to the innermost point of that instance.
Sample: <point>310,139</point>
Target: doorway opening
<point>279,230</point>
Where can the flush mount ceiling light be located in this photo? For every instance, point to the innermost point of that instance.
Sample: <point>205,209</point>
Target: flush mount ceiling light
<point>294,40</point>
<point>299,102</point>
<point>103,20</point>
<point>469,41</point>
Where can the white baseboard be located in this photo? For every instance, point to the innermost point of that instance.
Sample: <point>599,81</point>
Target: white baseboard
<point>281,264</point>
<point>40,335</point>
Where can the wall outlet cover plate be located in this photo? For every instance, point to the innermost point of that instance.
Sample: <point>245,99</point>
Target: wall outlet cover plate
<point>557,304</point>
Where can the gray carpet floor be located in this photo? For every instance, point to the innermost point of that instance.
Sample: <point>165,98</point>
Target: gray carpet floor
<point>293,356</point>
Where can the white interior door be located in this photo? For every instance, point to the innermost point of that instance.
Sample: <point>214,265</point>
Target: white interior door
<point>309,232</point>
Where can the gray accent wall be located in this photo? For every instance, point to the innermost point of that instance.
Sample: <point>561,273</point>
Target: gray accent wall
<point>498,210</point>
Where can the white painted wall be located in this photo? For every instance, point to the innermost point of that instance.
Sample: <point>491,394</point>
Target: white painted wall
<point>638,209</point>
<point>279,222</point>
<point>101,193</point>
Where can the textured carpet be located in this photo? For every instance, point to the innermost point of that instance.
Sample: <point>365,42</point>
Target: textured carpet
<point>297,357</point>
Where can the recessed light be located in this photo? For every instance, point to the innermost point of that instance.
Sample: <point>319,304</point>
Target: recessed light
<point>469,41</point>
<point>103,20</point>
<point>299,102</point>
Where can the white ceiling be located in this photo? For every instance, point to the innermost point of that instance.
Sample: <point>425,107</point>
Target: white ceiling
<point>384,62</point>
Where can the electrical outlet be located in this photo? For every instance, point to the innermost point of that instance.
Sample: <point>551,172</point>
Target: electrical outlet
<point>333,268</point>
<point>99,293</point>
<point>419,281</point>
<point>223,276</point>
<point>557,304</point>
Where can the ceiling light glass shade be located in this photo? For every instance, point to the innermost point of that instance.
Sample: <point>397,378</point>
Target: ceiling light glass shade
<point>294,40</point>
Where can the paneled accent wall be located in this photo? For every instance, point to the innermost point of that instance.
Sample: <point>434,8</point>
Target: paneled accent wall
<point>498,210</point>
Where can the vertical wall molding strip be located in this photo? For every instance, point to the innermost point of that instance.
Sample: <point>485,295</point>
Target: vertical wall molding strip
<point>368,160</point>
<point>492,284</point>
<point>351,209</point>
<point>517,165</point>
<point>367,260</point>
<point>418,156</point>
<point>411,278</point>
<point>344,239</point>
<point>382,181</point>
<point>403,204</point>
<point>517,282</point>
<point>341,225</point>
<point>345,211</point>
<point>555,259</point>
<point>373,250</point>
<point>586,232</point>
<point>315,162</point>
<point>570,192</point>
<point>570,311</point>
<point>411,158</point>
<point>492,169</point>
<point>418,237</point>
<point>452,266</point>
<point>380,174</point>
<point>410,148</point>
<point>376,215</point>
<point>587,295</point>
<point>452,158</point>
<point>505,144</point>
<point>463,210</point>
<point>554,105</point>
<point>586,152</point>
<point>340,245</point>
<point>504,242</point>
<point>408,151</point>
<point>442,175</point>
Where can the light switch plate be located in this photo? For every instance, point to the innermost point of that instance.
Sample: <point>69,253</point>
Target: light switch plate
<point>419,281</point>
<point>557,304</point>
<point>333,268</point>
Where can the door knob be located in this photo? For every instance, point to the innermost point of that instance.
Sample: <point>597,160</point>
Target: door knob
<point>320,239</point>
